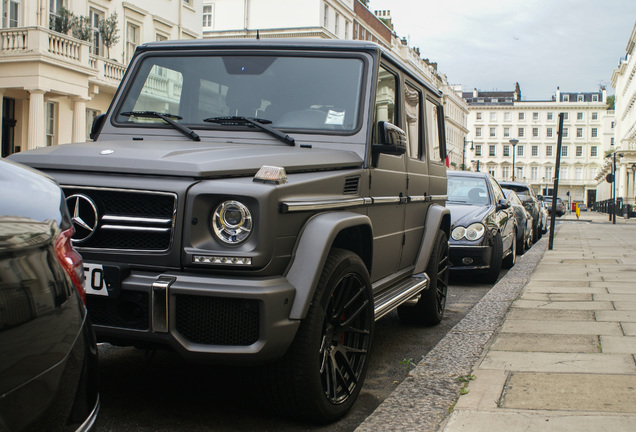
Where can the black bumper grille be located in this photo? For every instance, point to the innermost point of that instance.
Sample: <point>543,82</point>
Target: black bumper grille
<point>129,310</point>
<point>217,320</point>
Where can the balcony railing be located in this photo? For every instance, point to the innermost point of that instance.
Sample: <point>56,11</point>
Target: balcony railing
<point>74,53</point>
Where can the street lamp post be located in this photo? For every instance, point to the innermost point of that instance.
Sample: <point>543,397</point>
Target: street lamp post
<point>514,143</point>
<point>472,147</point>
<point>614,187</point>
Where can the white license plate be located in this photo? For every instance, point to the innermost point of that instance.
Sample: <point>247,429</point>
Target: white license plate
<point>94,282</point>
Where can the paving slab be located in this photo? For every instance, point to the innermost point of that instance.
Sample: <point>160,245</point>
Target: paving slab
<point>557,296</point>
<point>616,316</point>
<point>616,297</point>
<point>546,343</point>
<point>485,390</point>
<point>593,305</point>
<point>559,362</point>
<point>550,314</point>
<point>570,392</point>
<point>625,306</point>
<point>562,327</point>
<point>544,288</point>
<point>629,329</point>
<point>618,344</point>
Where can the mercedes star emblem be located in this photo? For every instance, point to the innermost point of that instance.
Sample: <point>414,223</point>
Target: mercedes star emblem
<point>84,216</point>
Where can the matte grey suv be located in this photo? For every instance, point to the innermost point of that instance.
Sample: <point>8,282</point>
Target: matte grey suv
<point>262,201</point>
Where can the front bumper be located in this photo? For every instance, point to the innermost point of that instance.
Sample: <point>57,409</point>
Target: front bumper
<point>469,257</point>
<point>202,317</point>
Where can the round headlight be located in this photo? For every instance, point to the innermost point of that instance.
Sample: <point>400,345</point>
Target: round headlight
<point>475,232</point>
<point>458,233</point>
<point>232,222</point>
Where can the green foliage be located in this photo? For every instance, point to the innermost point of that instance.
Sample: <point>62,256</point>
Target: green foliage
<point>109,32</point>
<point>407,363</point>
<point>63,22</point>
<point>611,102</point>
<point>82,29</point>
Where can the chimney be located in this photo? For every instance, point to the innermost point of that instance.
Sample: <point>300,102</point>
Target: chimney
<point>475,93</point>
<point>558,95</point>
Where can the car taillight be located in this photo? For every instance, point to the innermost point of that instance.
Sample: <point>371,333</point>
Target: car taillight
<point>71,260</point>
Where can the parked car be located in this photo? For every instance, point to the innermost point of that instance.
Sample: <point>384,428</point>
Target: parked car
<point>545,216</point>
<point>483,225</point>
<point>264,205</point>
<point>48,353</point>
<point>531,203</point>
<point>560,206</point>
<point>582,207</point>
<point>524,222</point>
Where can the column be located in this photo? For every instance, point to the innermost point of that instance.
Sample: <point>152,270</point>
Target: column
<point>36,130</point>
<point>79,120</point>
<point>1,116</point>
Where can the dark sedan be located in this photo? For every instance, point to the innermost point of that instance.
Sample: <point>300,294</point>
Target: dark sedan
<point>483,226</point>
<point>524,222</point>
<point>530,202</point>
<point>48,354</point>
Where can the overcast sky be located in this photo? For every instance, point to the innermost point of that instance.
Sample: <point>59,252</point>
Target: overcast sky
<point>542,44</point>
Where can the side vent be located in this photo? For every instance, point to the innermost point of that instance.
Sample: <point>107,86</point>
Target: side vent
<point>351,185</point>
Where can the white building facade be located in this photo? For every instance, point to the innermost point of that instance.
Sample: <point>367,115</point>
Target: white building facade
<point>507,131</point>
<point>624,145</point>
<point>53,84</point>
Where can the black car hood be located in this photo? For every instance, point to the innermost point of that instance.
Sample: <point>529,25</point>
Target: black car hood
<point>188,159</point>
<point>466,214</point>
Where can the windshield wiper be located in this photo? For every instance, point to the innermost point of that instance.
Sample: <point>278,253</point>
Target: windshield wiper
<point>259,123</point>
<point>168,118</point>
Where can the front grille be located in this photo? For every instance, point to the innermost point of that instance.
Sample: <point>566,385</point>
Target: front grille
<point>126,219</point>
<point>217,320</point>
<point>129,310</point>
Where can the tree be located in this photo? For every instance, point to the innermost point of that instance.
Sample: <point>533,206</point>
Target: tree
<point>63,22</point>
<point>611,102</point>
<point>108,30</point>
<point>82,29</point>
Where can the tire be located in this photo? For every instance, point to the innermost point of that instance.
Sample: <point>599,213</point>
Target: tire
<point>429,309</point>
<point>511,258</point>
<point>522,245</point>
<point>495,260</point>
<point>321,375</point>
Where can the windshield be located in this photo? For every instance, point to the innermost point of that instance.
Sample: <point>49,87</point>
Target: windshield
<point>306,93</point>
<point>468,190</point>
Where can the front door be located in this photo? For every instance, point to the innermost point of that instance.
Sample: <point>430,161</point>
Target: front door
<point>8,127</point>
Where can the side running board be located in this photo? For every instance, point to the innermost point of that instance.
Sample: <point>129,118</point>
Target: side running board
<point>399,293</point>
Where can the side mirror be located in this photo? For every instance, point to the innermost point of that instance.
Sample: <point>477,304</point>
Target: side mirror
<point>503,204</point>
<point>392,140</point>
<point>98,122</point>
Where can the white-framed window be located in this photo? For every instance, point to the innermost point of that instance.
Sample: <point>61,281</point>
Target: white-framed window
<point>478,132</point>
<point>548,173</point>
<point>579,116</point>
<point>578,173</point>
<point>132,39</point>
<point>208,16</point>
<point>519,150</point>
<point>579,98</point>
<point>506,132</point>
<point>522,132</point>
<point>566,98</point>
<point>565,132</point>
<point>325,19</point>
<point>493,132</point>
<point>548,151</point>
<point>522,116</point>
<point>478,116</point>
<point>535,132</point>
<point>505,172</point>
<point>51,115</point>
<point>346,34</point>
<point>337,24</point>
<point>594,132</point>
<point>594,116</point>
<point>507,116</point>
<point>491,170</point>
<point>564,151</point>
<point>535,116</point>
<point>493,116</point>
<point>519,173</point>
<point>478,150</point>
<point>593,151</point>
<point>11,13</point>
<point>548,132</point>
<point>492,150</point>
<point>563,173</point>
<point>535,150</point>
<point>579,132</point>
<point>97,45</point>
<point>566,116</point>
<point>90,117</point>
<point>579,151</point>
<point>506,150</point>
<point>55,6</point>
<point>534,172</point>
<point>550,116</point>
<point>594,98</point>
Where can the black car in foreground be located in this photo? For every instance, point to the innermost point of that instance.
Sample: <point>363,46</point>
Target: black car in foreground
<point>48,353</point>
<point>531,203</point>
<point>483,227</point>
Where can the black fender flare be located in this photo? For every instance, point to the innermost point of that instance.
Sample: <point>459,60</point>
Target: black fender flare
<point>437,217</point>
<point>310,254</point>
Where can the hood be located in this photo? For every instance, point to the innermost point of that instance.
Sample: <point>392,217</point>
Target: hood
<point>187,159</point>
<point>465,214</point>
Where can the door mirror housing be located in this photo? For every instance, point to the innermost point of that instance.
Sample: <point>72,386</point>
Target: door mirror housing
<point>392,140</point>
<point>98,122</point>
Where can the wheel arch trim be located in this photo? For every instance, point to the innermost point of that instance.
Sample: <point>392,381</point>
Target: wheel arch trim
<point>437,217</point>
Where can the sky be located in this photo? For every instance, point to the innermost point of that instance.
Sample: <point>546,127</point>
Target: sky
<point>541,44</point>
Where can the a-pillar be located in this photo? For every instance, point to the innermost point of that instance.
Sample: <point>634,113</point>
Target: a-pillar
<point>79,120</point>
<point>36,130</point>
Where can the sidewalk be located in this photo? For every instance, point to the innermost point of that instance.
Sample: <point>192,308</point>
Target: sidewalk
<point>550,348</point>
<point>564,358</point>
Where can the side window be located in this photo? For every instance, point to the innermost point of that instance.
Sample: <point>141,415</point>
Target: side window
<point>413,98</point>
<point>385,97</point>
<point>433,136</point>
<point>499,195</point>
